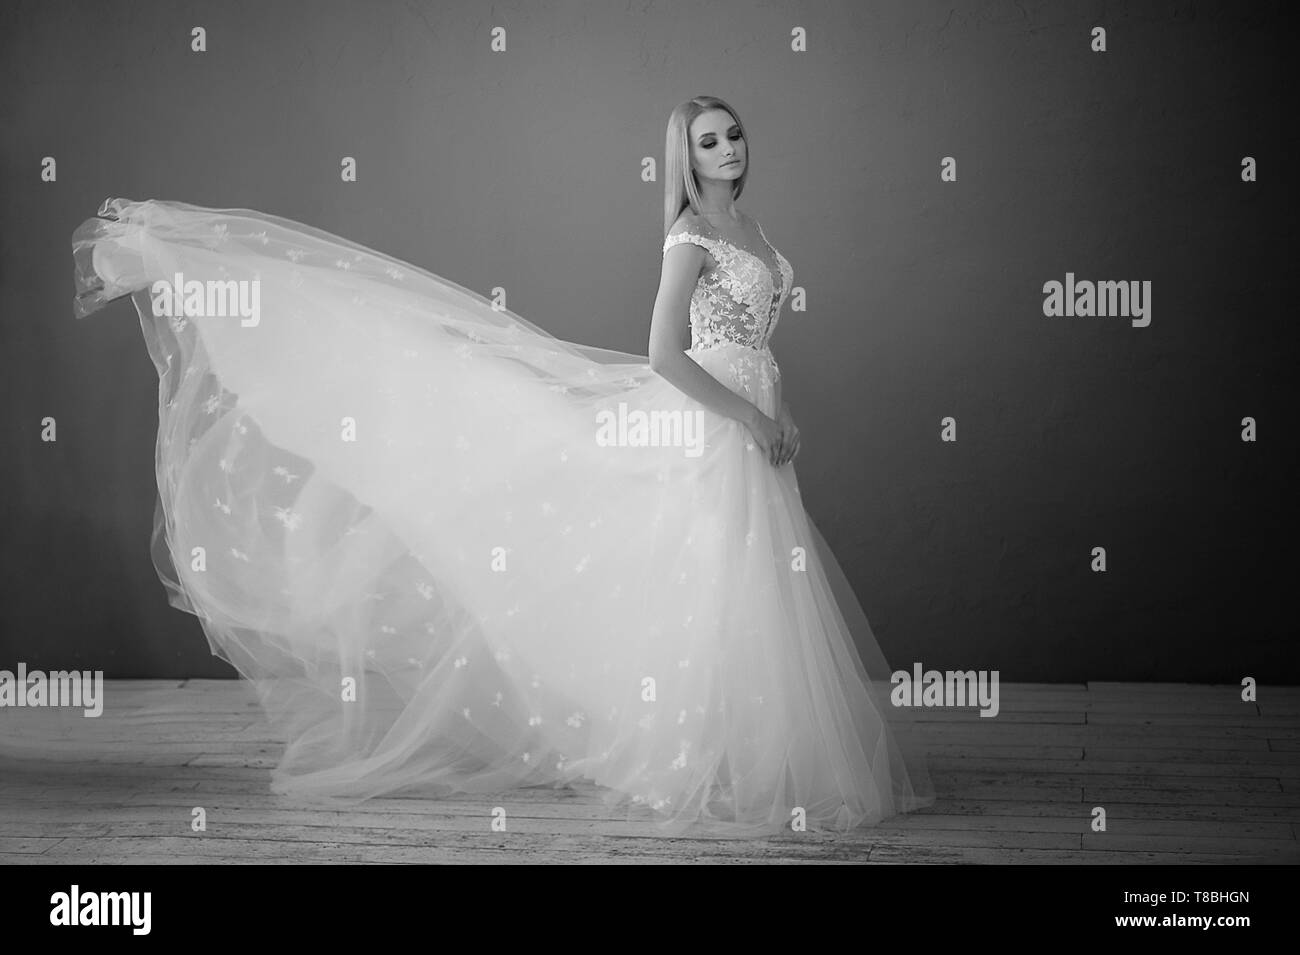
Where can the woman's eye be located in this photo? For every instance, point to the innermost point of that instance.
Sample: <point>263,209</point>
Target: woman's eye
<point>711,144</point>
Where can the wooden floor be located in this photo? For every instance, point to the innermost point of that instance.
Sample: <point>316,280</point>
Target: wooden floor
<point>1186,774</point>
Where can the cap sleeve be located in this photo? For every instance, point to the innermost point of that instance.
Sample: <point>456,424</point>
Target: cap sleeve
<point>687,236</point>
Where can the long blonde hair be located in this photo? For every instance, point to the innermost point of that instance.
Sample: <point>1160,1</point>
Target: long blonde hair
<point>681,189</point>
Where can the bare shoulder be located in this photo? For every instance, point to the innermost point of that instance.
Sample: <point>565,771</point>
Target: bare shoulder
<point>688,221</point>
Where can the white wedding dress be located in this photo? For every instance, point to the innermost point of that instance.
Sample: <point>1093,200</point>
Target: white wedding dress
<point>389,505</point>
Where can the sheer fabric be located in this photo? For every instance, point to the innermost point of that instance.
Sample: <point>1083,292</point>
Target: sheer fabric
<point>388,486</point>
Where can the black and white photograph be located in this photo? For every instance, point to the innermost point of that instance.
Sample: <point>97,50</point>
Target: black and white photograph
<point>444,432</point>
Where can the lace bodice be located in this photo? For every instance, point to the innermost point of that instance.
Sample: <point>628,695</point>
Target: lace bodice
<point>739,300</point>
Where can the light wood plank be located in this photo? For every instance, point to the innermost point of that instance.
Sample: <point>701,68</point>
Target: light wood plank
<point>1188,775</point>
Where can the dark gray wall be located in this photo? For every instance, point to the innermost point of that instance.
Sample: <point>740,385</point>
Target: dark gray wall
<point>523,170</point>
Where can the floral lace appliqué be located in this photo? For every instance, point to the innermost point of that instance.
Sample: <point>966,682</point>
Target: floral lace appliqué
<point>737,303</point>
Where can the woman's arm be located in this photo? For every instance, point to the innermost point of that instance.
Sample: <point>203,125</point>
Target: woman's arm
<point>788,445</point>
<point>670,337</point>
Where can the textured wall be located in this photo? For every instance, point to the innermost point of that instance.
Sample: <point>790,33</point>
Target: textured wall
<point>924,297</point>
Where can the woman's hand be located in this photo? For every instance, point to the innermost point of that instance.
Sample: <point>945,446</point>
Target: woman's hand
<point>767,434</point>
<point>789,436</point>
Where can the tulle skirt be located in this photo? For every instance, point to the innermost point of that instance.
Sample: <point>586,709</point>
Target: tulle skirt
<point>456,554</point>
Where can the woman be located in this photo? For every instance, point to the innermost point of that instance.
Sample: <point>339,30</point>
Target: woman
<point>455,554</point>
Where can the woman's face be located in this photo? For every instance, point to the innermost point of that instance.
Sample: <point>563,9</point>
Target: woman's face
<point>717,148</point>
